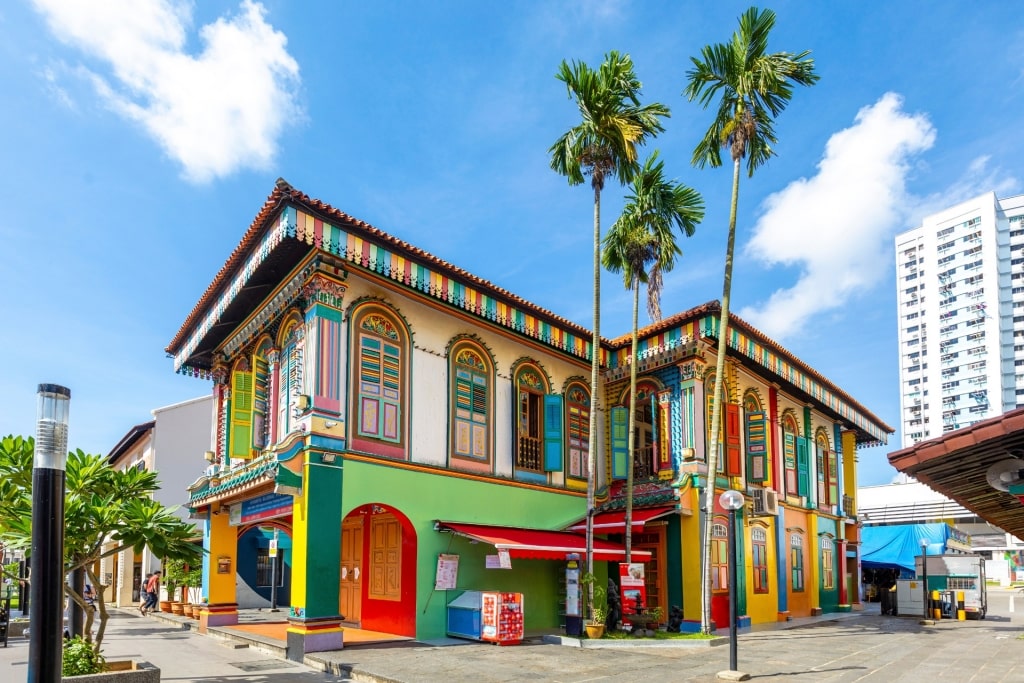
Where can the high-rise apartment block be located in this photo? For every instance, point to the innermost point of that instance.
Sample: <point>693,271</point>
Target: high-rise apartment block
<point>960,299</point>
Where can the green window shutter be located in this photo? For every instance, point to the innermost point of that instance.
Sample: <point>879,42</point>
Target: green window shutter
<point>241,414</point>
<point>620,442</point>
<point>802,467</point>
<point>757,446</point>
<point>553,433</point>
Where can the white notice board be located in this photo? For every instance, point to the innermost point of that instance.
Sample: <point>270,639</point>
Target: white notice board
<point>447,572</point>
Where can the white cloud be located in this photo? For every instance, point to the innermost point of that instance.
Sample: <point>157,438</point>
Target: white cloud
<point>215,112</point>
<point>837,226</point>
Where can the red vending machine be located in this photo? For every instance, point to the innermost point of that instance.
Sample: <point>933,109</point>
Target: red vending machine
<point>502,618</point>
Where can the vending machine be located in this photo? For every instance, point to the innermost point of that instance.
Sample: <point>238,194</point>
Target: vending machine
<point>489,616</point>
<point>502,618</point>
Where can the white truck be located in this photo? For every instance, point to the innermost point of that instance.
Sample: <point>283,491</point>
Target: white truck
<point>958,573</point>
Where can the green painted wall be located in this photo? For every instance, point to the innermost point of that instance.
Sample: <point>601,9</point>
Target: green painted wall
<point>424,497</point>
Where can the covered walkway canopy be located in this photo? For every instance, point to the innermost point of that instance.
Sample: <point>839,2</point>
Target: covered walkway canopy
<point>979,467</point>
<point>538,544</point>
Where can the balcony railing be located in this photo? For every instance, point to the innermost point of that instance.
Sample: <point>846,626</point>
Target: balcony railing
<point>529,454</point>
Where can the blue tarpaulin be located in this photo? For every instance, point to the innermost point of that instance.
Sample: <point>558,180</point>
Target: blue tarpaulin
<point>895,547</point>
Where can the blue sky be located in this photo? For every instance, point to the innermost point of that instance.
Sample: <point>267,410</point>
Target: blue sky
<point>141,137</point>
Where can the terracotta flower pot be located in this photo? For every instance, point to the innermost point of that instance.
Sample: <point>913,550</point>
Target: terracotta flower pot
<point>165,605</point>
<point>177,608</point>
<point>595,631</point>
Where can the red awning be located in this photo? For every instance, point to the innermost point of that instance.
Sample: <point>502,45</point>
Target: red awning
<point>539,544</point>
<point>615,522</point>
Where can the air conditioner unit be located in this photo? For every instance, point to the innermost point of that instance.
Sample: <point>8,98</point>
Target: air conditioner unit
<point>766,502</point>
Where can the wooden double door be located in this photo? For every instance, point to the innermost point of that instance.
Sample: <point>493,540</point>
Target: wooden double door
<point>378,558</point>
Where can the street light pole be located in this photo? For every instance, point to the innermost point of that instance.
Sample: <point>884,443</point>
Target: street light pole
<point>732,501</point>
<point>46,582</point>
<point>924,573</point>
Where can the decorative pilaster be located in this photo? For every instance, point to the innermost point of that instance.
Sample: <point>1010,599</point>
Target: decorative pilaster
<point>220,541</point>
<point>314,624</point>
<point>325,345</point>
<point>220,400</point>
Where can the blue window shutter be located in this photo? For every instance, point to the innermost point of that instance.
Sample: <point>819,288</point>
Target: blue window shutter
<point>802,467</point>
<point>620,442</point>
<point>553,433</point>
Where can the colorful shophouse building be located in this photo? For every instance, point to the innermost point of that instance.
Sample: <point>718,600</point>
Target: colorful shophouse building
<point>377,408</point>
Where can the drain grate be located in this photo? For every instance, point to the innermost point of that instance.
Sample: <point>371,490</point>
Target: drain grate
<point>262,665</point>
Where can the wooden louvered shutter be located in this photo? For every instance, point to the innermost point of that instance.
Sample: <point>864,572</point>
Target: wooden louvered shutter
<point>733,466</point>
<point>553,433</point>
<point>241,414</point>
<point>620,442</point>
<point>802,467</point>
<point>757,446</point>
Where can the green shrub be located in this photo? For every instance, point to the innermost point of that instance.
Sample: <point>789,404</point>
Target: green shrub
<point>81,659</point>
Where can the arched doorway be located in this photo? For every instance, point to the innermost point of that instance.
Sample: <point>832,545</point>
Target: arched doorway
<point>378,570</point>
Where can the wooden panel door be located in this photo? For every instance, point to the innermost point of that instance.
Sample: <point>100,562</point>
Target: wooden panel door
<point>350,602</point>
<point>385,558</point>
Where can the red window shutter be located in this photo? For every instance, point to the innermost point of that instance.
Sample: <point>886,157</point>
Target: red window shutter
<point>732,440</point>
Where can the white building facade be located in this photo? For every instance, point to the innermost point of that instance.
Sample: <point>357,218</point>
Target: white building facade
<point>960,303</point>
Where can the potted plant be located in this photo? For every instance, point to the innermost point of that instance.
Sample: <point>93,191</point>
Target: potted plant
<point>175,573</point>
<point>599,610</point>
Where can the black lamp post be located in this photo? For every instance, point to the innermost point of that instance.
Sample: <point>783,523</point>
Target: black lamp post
<point>924,573</point>
<point>732,501</point>
<point>46,587</point>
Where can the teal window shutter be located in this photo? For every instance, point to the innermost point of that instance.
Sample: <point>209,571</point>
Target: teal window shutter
<point>803,467</point>
<point>620,442</point>
<point>757,446</point>
<point>553,433</point>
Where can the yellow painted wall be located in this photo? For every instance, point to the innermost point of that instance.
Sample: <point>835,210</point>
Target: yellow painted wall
<point>690,531</point>
<point>761,607</point>
<point>223,544</point>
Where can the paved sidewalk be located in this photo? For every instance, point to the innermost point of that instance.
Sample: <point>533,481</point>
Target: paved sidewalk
<point>859,646</point>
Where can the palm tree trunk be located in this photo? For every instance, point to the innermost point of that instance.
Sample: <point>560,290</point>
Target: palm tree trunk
<point>631,438</point>
<point>595,364</point>
<point>716,411</point>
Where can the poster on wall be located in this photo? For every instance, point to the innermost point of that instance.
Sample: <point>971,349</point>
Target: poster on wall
<point>500,561</point>
<point>632,586</point>
<point>447,572</point>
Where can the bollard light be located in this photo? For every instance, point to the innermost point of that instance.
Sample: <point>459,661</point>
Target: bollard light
<point>46,587</point>
<point>732,501</point>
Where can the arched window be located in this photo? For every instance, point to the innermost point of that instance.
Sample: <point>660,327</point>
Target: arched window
<point>646,436</point>
<point>759,553</point>
<point>577,409</point>
<point>289,375</point>
<point>825,459</point>
<point>471,391</point>
<point>828,570</point>
<point>796,562</point>
<point>729,456</point>
<point>755,422</point>
<point>531,388</point>
<point>380,365</point>
<point>719,556</point>
<point>789,453</point>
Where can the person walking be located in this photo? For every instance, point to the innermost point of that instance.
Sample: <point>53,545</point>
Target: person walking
<point>152,590</point>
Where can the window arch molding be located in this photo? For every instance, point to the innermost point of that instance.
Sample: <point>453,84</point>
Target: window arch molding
<point>576,392</point>
<point>288,380</point>
<point>380,346</point>
<point>471,373</point>
<point>531,386</point>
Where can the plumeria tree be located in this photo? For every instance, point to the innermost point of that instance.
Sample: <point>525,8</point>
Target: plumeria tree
<point>105,511</point>
<point>751,87</point>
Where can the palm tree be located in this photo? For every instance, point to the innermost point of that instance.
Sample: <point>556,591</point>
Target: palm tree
<point>642,246</point>
<point>754,87</point>
<point>603,144</point>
